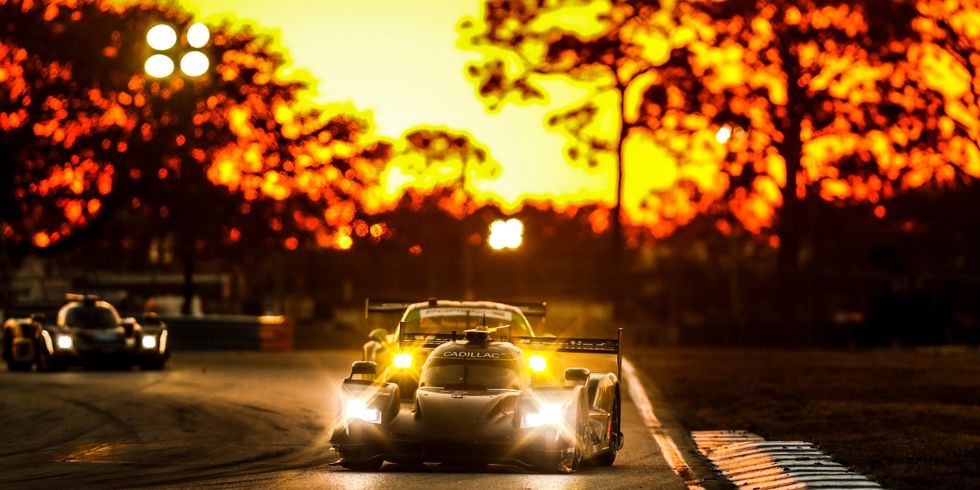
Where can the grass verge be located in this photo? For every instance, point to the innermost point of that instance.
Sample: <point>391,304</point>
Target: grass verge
<point>907,419</point>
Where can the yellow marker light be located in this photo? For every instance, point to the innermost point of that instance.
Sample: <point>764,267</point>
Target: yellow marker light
<point>64,342</point>
<point>149,342</point>
<point>537,363</point>
<point>159,66</point>
<point>403,360</point>
<point>161,37</point>
<point>194,64</point>
<point>198,35</point>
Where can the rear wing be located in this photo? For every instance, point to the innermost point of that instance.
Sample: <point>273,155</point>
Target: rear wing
<point>531,309</point>
<point>425,340</point>
<point>575,344</point>
<point>385,306</point>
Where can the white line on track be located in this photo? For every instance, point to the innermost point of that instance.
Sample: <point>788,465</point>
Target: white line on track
<point>667,447</point>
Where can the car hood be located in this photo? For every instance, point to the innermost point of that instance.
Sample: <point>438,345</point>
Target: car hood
<point>461,415</point>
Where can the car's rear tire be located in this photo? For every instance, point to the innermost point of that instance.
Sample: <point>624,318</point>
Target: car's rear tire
<point>365,465</point>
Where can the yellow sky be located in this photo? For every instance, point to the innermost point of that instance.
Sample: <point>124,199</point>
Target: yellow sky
<point>398,59</point>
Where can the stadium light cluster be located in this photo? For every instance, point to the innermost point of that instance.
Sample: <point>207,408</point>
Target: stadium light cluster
<point>163,38</point>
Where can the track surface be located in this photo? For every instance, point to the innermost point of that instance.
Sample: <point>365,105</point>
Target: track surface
<point>234,420</point>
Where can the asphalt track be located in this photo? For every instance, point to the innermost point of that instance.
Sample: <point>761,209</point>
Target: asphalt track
<point>235,420</point>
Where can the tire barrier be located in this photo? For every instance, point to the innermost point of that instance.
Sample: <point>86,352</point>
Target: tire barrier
<point>230,332</point>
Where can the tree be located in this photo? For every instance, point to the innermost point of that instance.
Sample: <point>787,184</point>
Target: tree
<point>741,109</point>
<point>221,159</point>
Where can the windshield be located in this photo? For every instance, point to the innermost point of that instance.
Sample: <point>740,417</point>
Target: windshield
<point>446,319</point>
<point>91,317</point>
<point>463,374</point>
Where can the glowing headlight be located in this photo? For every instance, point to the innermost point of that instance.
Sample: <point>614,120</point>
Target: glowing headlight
<point>537,363</point>
<point>547,414</point>
<point>64,341</point>
<point>357,409</point>
<point>403,360</point>
<point>149,342</point>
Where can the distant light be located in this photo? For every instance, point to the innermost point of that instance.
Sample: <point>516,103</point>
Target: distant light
<point>194,64</point>
<point>198,35</point>
<point>159,66</point>
<point>723,135</point>
<point>506,234</point>
<point>161,37</point>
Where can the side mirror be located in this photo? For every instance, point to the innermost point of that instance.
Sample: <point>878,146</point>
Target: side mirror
<point>368,368</point>
<point>379,335</point>
<point>577,375</point>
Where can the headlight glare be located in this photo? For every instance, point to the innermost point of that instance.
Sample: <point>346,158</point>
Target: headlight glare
<point>64,341</point>
<point>358,410</point>
<point>537,363</point>
<point>547,414</point>
<point>403,360</point>
<point>149,342</point>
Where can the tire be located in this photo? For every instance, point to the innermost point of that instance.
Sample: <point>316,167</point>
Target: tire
<point>605,459</point>
<point>609,457</point>
<point>19,367</point>
<point>370,465</point>
<point>152,366</point>
<point>45,364</point>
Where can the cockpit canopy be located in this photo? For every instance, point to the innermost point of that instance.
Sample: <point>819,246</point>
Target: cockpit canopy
<point>88,315</point>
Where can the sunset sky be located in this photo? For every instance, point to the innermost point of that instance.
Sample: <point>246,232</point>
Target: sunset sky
<point>400,62</point>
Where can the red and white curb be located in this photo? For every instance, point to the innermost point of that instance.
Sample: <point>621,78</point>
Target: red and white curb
<point>749,461</point>
<point>667,447</point>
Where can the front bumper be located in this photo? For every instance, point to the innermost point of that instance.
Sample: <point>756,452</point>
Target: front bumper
<point>527,448</point>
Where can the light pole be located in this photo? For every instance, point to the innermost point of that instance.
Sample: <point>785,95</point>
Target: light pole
<point>193,62</point>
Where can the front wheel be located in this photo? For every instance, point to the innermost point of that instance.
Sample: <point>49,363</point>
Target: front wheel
<point>45,363</point>
<point>152,365</point>
<point>615,440</point>
<point>19,366</point>
<point>365,465</point>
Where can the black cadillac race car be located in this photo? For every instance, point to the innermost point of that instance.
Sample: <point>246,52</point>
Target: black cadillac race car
<point>85,331</point>
<point>425,325</point>
<point>477,403</point>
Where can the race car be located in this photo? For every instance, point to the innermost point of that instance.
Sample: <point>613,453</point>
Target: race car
<point>476,404</point>
<point>425,325</point>
<point>85,331</point>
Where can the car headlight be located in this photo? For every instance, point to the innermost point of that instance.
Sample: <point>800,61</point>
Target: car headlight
<point>149,342</point>
<point>537,363</point>
<point>550,414</point>
<point>64,341</point>
<point>403,360</point>
<point>358,410</point>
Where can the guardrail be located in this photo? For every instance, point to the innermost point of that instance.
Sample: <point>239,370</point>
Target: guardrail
<point>229,332</point>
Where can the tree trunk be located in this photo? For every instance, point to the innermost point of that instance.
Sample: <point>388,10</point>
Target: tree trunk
<point>618,271</point>
<point>790,217</point>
